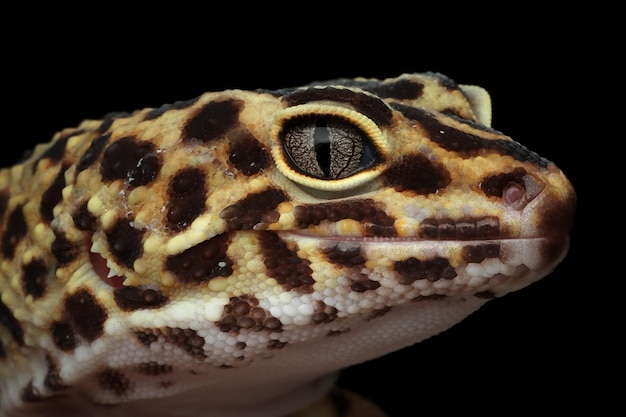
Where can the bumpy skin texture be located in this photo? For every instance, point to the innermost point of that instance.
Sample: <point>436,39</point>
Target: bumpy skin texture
<point>226,255</point>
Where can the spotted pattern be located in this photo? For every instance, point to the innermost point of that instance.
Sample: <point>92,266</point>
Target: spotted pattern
<point>203,261</point>
<point>86,314</point>
<point>176,250</point>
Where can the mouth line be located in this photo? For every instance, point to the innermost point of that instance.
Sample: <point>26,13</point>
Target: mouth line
<point>409,239</point>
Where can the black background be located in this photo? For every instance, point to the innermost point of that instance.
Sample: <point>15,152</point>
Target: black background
<point>542,348</point>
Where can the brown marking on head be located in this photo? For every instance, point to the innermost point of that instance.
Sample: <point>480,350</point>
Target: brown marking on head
<point>247,213</point>
<point>83,219</point>
<point>413,269</point>
<point>401,89</point>
<point>56,150</point>
<point>467,228</point>
<point>417,173</point>
<point>323,313</point>
<point>131,160</point>
<point>213,120</point>
<point>344,253</point>
<point>52,196</point>
<point>63,336</point>
<point>467,144</point>
<point>154,368</point>
<point>186,198</point>
<point>284,265</point>
<point>35,276</point>
<point>64,250</point>
<point>86,314</point>
<point>92,153</point>
<point>115,381</point>
<point>202,262</point>
<point>370,214</point>
<point>14,231</point>
<point>478,253</point>
<point>244,313</point>
<point>29,393</point>
<point>186,339</point>
<point>53,380</point>
<point>125,242</point>
<point>130,298</point>
<point>246,153</point>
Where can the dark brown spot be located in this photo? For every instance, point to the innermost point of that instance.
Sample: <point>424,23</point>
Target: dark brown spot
<point>92,153</point>
<point>156,113</point>
<point>186,198</point>
<point>14,232</point>
<point>275,344</point>
<point>154,368</point>
<point>250,211</point>
<point>53,380</point>
<point>35,276</point>
<point>373,218</point>
<point>488,228</point>
<point>284,265</point>
<point>114,380</point>
<point>337,332</point>
<point>64,250</point>
<point>83,219</point>
<point>52,196</point>
<point>148,337</point>
<point>136,298</point>
<point>467,144</point>
<point>372,107</point>
<point>378,313</point>
<point>246,153</point>
<point>131,160</point>
<point>56,150</point>
<point>109,118</point>
<point>203,261</point>
<point>3,352</point>
<point>87,315</point>
<point>344,253</point>
<point>125,242</point>
<point>478,253</point>
<point>4,201</point>
<point>417,173</point>
<point>63,336</point>
<point>244,313</point>
<point>30,394</point>
<point>462,229</point>
<point>402,89</point>
<point>412,269</point>
<point>186,339</point>
<point>364,285</point>
<point>213,120</point>
<point>323,313</point>
<point>494,185</point>
<point>8,320</point>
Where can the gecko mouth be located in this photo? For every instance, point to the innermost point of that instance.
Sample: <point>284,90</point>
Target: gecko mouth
<point>99,265</point>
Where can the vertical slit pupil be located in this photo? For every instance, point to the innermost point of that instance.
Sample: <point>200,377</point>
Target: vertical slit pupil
<point>321,144</point>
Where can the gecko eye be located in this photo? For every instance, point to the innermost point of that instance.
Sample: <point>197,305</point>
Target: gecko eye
<point>326,147</point>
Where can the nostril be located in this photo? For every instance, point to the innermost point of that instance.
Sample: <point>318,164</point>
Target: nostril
<point>513,194</point>
<point>99,265</point>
